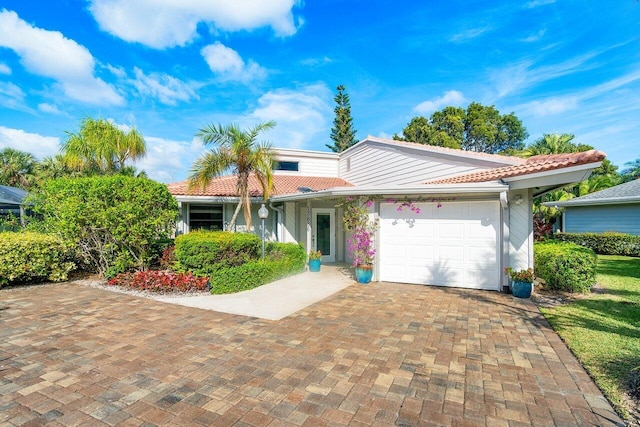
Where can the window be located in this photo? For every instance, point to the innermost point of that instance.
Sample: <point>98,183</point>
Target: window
<point>206,217</point>
<point>286,166</point>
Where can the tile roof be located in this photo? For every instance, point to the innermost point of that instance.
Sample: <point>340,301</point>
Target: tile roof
<point>225,186</point>
<point>535,164</point>
<point>629,192</point>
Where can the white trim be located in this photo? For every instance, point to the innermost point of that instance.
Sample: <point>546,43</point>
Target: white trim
<point>213,199</point>
<point>594,202</point>
<point>305,153</point>
<point>483,187</point>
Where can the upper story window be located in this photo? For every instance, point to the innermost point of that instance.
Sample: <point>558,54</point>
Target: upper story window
<point>286,166</point>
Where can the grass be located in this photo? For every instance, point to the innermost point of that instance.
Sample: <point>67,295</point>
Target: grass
<point>603,330</point>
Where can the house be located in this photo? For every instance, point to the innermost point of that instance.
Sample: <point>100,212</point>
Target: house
<point>615,209</point>
<point>475,210</point>
<point>11,202</point>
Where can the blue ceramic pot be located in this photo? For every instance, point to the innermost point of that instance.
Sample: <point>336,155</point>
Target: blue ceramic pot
<point>521,289</point>
<point>314,264</point>
<point>364,275</point>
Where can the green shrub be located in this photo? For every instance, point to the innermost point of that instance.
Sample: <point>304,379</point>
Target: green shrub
<point>565,266</point>
<point>115,221</point>
<point>281,259</point>
<point>29,257</point>
<point>604,243</point>
<point>200,251</point>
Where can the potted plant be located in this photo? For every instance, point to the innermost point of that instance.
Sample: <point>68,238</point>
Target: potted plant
<point>361,243</point>
<point>521,282</point>
<point>315,260</point>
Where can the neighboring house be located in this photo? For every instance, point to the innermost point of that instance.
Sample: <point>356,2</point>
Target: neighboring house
<point>483,224</point>
<point>11,202</point>
<point>615,209</point>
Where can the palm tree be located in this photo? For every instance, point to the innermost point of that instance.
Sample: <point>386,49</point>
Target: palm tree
<point>16,168</point>
<point>239,151</point>
<point>101,147</point>
<point>552,143</point>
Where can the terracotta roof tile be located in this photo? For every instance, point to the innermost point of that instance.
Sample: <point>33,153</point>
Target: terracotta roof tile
<point>535,164</point>
<point>225,186</point>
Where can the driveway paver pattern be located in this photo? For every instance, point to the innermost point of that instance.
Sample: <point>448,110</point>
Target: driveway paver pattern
<point>380,354</point>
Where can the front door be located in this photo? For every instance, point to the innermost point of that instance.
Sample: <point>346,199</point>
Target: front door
<point>323,229</point>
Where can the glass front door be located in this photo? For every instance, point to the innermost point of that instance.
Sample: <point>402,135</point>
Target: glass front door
<point>324,233</point>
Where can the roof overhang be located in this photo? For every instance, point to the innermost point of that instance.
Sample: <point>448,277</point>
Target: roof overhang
<point>543,182</point>
<point>213,199</point>
<point>473,188</point>
<point>609,201</point>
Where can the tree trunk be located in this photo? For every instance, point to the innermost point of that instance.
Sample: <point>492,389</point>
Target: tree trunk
<point>232,223</point>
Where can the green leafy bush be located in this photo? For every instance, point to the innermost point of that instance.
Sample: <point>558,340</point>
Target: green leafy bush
<point>115,221</point>
<point>281,259</point>
<point>604,243</point>
<point>565,266</point>
<point>29,257</point>
<point>199,251</point>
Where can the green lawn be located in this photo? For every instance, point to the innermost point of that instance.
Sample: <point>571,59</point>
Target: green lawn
<point>603,330</point>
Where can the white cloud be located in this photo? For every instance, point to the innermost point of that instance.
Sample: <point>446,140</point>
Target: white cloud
<point>303,116</point>
<point>161,23</point>
<point>50,108</point>
<point>537,3</point>
<point>168,160</point>
<point>524,74</point>
<point>535,37</point>
<point>452,97</point>
<point>316,62</point>
<point>11,96</point>
<point>558,105</point>
<point>551,106</point>
<point>469,34</point>
<point>36,144</point>
<point>228,65</point>
<point>50,54</point>
<point>4,69</point>
<point>166,88</point>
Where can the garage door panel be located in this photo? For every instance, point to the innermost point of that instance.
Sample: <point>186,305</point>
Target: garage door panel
<point>455,245</point>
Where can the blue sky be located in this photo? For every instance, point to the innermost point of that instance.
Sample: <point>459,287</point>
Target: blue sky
<point>170,67</point>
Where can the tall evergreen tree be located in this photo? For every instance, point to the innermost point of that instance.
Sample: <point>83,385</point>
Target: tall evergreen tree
<point>342,133</point>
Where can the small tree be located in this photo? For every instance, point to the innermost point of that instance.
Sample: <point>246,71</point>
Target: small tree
<point>113,220</point>
<point>342,133</point>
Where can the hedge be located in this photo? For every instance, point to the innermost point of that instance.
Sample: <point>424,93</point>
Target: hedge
<point>199,251</point>
<point>115,221</point>
<point>32,257</point>
<point>281,259</point>
<point>565,266</point>
<point>604,243</point>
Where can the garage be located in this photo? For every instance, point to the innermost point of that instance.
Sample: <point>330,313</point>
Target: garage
<point>455,245</point>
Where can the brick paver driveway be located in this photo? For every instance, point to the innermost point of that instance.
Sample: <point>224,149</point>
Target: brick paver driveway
<point>381,354</point>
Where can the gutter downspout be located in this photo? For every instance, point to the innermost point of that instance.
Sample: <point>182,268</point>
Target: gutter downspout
<point>279,220</point>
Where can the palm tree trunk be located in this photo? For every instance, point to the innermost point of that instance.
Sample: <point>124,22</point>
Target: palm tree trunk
<point>232,223</point>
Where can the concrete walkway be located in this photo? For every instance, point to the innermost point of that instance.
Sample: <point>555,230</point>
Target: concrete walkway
<point>277,300</point>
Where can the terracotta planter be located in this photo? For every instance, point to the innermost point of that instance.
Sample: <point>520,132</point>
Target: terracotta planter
<point>314,265</point>
<point>364,273</point>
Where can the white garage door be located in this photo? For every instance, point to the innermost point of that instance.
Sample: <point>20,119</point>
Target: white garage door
<point>454,245</point>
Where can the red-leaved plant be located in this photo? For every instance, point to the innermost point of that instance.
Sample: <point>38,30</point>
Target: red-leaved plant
<point>160,281</point>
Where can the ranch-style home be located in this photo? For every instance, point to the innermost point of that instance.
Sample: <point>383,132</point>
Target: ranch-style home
<point>475,209</point>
